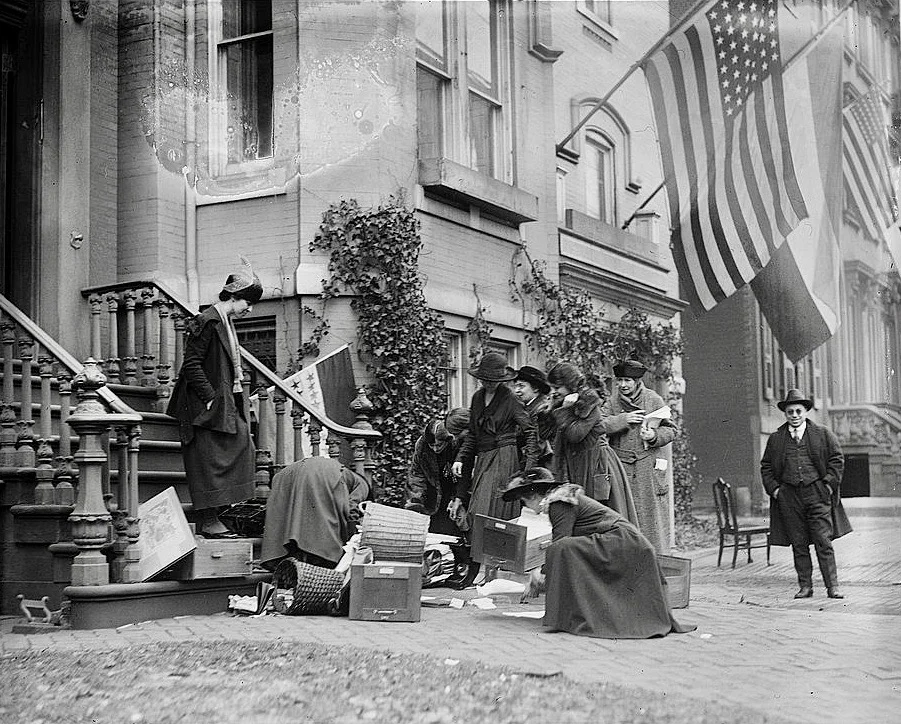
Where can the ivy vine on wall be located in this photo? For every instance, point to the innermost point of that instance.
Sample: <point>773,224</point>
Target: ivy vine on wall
<point>374,254</point>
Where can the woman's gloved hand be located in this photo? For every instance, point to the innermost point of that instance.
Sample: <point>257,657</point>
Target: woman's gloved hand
<point>536,585</point>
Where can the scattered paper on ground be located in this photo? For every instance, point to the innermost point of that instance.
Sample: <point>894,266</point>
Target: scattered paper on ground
<point>485,604</point>
<point>499,586</point>
<point>524,614</point>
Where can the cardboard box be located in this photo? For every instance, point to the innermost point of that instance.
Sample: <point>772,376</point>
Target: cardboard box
<point>677,572</point>
<point>512,545</point>
<point>215,558</point>
<point>385,591</point>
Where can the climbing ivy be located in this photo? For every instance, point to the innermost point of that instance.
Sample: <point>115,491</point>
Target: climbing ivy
<point>570,327</point>
<point>374,254</point>
<point>478,332</point>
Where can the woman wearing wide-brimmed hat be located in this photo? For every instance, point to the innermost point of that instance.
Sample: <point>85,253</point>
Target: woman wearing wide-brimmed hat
<point>600,573</point>
<point>489,455</point>
<point>582,454</point>
<point>209,403</point>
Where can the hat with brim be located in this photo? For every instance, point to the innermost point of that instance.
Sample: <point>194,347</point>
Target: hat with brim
<point>540,479</point>
<point>795,397</point>
<point>493,368</point>
<point>629,368</point>
<point>534,377</point>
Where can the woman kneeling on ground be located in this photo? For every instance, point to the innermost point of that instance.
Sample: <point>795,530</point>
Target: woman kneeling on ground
<point>601,574</point>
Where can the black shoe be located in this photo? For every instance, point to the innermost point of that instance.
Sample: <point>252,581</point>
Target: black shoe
<point>805,592</point>
<point>833,593</point>
<point>458,582</point>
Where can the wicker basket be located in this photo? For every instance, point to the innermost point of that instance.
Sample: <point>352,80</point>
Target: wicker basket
<point>315,589</point>
<point>394,534</point>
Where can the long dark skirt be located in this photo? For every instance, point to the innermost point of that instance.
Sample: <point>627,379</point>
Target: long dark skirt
<point>607,585</point>
<point>220,466</point>
<point>490,475</point>
<point>620,499</point>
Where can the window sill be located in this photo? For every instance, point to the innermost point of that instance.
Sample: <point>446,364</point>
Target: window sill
<point>607,235</point>
<point>445,178</point>
<point>250,184</point>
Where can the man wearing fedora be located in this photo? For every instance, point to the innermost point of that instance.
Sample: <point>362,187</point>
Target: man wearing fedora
<point>532,389</point>
<point>802,471</point>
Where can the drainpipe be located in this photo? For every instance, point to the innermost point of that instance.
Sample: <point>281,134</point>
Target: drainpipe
<point>191,156</point>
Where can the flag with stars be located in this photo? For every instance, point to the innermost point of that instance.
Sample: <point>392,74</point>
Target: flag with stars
<point>866,165</point>
<point>327,384</point>
<point>717,94</point>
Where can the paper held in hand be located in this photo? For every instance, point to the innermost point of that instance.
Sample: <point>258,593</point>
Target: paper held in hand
<point>653,419</point>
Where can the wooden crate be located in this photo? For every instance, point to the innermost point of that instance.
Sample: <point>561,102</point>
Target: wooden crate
<point>215,558</point>
<point>385,591</point>
<point>677,572</point>
<point>507,545</point>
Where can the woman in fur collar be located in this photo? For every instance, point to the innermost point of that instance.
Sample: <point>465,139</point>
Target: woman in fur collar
<point>582,454</point>
<point>601,574</point>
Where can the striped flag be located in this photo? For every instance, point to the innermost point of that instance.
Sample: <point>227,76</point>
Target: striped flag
<point>798,291</point>
<point>866,163</point>
<point>716,90</point>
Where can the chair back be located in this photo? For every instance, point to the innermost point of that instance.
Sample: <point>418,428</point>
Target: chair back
<point>725,505</point>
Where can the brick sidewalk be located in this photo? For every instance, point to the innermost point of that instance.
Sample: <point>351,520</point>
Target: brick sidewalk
<point>809,666</point>
<point>813,661</point>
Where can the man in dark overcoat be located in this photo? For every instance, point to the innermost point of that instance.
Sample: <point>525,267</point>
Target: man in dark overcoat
<point>802,471</point>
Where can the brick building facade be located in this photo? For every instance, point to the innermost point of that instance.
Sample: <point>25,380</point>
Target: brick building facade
<point>176,135</point>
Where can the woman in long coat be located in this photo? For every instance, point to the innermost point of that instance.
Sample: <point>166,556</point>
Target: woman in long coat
<point>490,451</point>
<point>312,511</point>
<point>210,406</point>
<point>582,454</point>
<point>638,447</point>
<point>601,574</point>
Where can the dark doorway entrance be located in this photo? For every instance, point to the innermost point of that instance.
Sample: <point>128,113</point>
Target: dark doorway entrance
<point>856,478</point>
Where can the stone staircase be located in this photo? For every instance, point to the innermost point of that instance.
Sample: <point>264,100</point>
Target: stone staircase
<point>82,444</point>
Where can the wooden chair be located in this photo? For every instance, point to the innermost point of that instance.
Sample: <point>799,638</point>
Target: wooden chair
<point>727,520</point>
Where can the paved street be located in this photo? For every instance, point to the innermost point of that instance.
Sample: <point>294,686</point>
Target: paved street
<point>816,660</point>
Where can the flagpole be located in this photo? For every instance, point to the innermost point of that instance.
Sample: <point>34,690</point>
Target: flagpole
<point>643,204</point>
<point>808,46</point>
<point>635,66</point>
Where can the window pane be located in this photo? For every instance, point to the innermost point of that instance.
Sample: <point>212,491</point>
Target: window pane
<point>481,134</point>
<point>429,126</point>
<point>249,79</point>
<point>242,17</point>
<point>592,201</point>
<point>601,8</point>
<point>479,45</point>
<point>430,31</point>
<point>600,182</point>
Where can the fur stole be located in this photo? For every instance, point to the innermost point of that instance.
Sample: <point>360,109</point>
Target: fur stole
<point>566,493</point>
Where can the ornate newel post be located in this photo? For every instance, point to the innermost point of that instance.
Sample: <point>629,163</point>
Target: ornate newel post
<point>90,519</point>
<point>361,407</point>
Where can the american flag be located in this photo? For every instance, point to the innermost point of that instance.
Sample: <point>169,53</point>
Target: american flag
<point>866,162</point>
<point>716,89</point>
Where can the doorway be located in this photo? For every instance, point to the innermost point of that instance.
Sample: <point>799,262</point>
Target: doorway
<point>856,478</point>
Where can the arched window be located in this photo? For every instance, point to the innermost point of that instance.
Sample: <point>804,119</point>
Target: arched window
<point>600,176</point>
